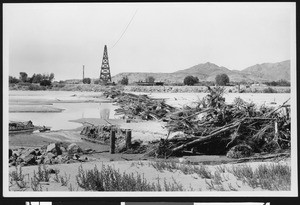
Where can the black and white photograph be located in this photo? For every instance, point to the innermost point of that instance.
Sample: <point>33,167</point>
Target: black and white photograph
<point>149,99</point>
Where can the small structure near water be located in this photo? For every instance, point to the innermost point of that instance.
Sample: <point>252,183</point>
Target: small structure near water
<point>17,127</point>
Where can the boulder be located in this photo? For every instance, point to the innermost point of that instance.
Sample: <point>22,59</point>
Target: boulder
<point>10,153</point>
<point>17,152</point>
<point>38,152</point>
<point>74,148</point>
<point>19,160</point>
<point>12,163</point>
<point>75,156</point>
<point>30,159</point>
<point>63,149</point>
<point>22,164</point>
<point>58,160</point>
<point>27,154</point>
<point>83,159</point>
<point>47,160</point>
<point>71,161</point>
<point>54,148</point>
<point>44,147</point>
<point>39,161</point>
<point>65,158</point>
<point>50,155</point>
<point>51,147</point>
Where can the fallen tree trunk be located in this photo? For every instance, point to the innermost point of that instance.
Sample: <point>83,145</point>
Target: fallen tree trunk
<point>205,138</point>
<point>271,156</point>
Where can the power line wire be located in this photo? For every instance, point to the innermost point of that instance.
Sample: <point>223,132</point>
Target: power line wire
<point>125,29</point>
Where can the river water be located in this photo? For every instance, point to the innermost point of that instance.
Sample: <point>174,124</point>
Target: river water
<point>72,111</point>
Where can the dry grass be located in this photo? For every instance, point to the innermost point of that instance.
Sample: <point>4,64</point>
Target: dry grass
<point>268,176</point>
<point>200,170</point>
<point>110,179</point>
<point>273,177</point>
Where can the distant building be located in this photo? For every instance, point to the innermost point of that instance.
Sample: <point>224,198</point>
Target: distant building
<point>73,81</point>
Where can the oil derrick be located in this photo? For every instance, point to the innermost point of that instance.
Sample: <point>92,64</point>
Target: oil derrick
<point>105,70</point>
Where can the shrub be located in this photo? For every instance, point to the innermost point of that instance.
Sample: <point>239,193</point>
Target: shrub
<point>269,90</point>
<point>150,79</point>
<point>190,80</point>
<point>60,85</point>
<point>13,80</point>
<point>86,81</point>
<point>24,84</point>
<point>45,83</point>
<point>23,77</point>
<point>42,174</point>
<point>109,179</point>
<point>124,80</point>
<point>278,83</point>
<point>274,177</point>
<point>222,79</point>
<point>97,81</point>
<point>36,87</point>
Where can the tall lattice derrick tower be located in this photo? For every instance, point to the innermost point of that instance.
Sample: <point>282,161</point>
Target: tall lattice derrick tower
<point>105,70</point>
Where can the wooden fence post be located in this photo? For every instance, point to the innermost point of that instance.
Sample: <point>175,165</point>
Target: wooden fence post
<point>112,140</point>
<point>276,131</point>
<point>128,138</point>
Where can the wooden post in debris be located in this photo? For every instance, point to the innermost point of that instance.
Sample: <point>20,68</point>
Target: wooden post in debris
<point>276,131</point>
<point>112,141</point>
<point>287,112</point>
<point>128,138</point>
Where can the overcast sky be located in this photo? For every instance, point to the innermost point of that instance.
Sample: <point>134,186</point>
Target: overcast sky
<point>162,37</point>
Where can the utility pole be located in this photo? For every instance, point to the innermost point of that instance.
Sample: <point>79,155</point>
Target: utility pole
<point>82,73</point>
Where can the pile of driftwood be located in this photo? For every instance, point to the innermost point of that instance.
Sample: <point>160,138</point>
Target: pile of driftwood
<point>239,129</point>
<point>101,134</point>
<point>214,127</point>
<point>139,106</point>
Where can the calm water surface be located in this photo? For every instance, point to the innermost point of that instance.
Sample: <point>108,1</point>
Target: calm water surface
<point>73,111</point>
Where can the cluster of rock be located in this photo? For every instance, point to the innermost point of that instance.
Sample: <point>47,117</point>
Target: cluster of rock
<point>55,153</point>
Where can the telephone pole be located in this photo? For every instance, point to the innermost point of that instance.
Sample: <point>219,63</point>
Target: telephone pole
<point>82,72</point>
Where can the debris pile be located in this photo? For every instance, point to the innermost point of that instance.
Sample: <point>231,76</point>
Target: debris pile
<point>213,127</point>
<point>101,133</point>
<point>139,106</point>
<point>54,153</point>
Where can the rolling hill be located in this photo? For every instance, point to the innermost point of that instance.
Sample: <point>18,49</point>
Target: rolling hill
<point>208,71</point>
<point>270,71</point>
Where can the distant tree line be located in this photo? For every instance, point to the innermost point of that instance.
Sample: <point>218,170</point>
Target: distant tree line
<point>221,80</point>
<point>42,79</point>
<point>278,83</point>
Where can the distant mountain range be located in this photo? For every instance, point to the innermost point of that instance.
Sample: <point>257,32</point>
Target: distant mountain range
<point>208,71</point>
